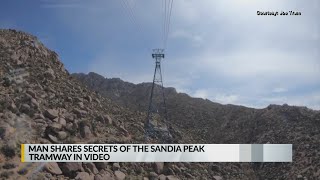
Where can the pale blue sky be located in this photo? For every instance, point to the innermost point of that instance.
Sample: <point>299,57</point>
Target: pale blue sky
<point>220,50</point>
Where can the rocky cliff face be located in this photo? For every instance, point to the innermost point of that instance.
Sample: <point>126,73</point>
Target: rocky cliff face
<point>202,121</point>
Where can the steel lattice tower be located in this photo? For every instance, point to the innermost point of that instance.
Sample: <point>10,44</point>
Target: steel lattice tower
<point>157,89</point>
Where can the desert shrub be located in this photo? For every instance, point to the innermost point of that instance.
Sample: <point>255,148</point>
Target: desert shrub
<point>93,125</point>
<point>8,151</point>
<point>23,171</point>
<point>84,123</point>
<point>6,174</point>
<point>8,166</point>
<point>2,132</point>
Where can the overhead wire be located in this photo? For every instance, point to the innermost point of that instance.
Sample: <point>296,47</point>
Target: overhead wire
<point>125,8</point>
<point>169,23</point>
<point>130,12</point>
<point>164,21</point>
<point>168,10</point>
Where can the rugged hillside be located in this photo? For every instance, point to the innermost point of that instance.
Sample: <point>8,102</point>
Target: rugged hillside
<point>202,121</point>
<point>41,103</point>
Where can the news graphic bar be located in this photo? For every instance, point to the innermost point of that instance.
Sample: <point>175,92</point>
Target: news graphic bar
<point>156,153</point>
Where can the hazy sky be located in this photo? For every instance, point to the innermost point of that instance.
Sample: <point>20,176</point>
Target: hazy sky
<point>217,49</point>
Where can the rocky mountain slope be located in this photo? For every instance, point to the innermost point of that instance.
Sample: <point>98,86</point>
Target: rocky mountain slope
<point>41,103</point>
<point>202,121</point>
